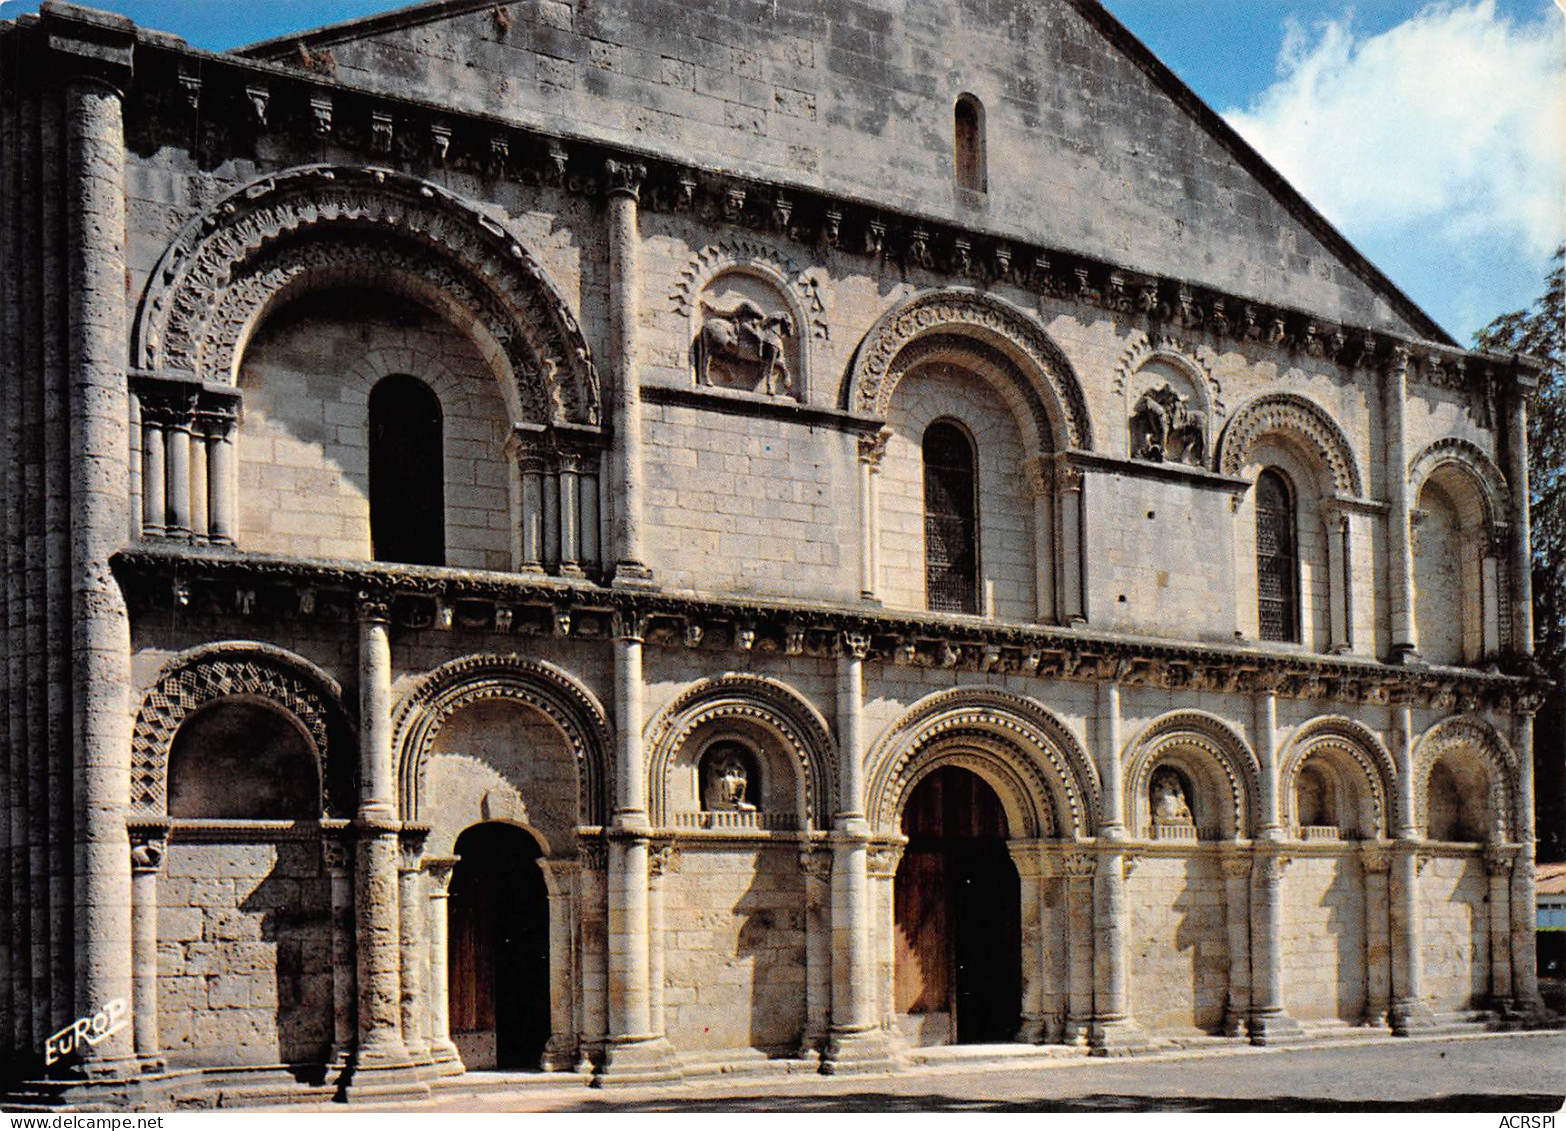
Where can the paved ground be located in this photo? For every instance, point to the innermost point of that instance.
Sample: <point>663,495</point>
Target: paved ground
<point>1507,1073</point>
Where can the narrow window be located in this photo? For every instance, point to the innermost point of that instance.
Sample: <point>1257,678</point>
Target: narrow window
<point>951,544</point>
<point>968,122</point>
<point>1277,560</point>
<point>407,473</point>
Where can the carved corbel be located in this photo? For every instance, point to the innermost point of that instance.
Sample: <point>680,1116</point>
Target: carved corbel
<point>693,634</point>
<point>734,203</point>
<point>962,256</point>
<point>855,643</point>
<point>918,249</point>
<point>875,236</point>
<point>782,212</point>
<point>556,161</point>
<point>794,640</point>
<point>1000,256</point>
<point>624,178</point>
<point>745,636</point>
<point>440,142</point>
<point>321,114</point>
<point>832,227</point>
<point>382,130</point>
<point>190,85</point>
<point>259,99</point>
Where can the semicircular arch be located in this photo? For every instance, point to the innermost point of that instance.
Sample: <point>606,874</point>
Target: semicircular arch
<point>1473,464</point>
<point>1351,742</point>
<point>1301,419</point>
<point>1470,738</point>
<point>323,225</point>
<point>1209,737</point>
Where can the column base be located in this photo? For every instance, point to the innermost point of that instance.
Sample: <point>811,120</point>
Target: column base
<point>1409,1019</point>
<point>1075,1031</point>
<point>1272,1029</point>
<point>445,1060</point>
<point>383,1076</point>
<point>1119,1037</point>
<point>632,575</point>
<point>1234,1019</point>
<point>636,1060</point>
<point>856,1051</point>
<point>1032,1031</point>
<point>560,1056</point>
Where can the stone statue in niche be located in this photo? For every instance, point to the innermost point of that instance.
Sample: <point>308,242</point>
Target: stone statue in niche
<point>744,347</point>
<point>1164,426</point>
<point>1168,799</point>
<point>728,782</point>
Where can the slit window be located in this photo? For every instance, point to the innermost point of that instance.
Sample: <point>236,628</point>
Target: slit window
<point>968,130</point>
<point>407,473</point>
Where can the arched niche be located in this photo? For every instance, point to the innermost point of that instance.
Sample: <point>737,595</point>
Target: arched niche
<point>1458,543</point>
<point>1211,761</point>
<point>304,708</point>
<point>1465,777</point>
<point>1336,782</point>
<point>1299,421</point>
<point>780,739</point>
<point>241,757</point>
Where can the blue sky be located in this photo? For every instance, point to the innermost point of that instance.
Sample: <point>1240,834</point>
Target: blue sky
<point>1431,132</point>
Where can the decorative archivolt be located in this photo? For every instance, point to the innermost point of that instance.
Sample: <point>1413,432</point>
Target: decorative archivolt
<point>883,358</point>
<point>751,257</point>
<point>1345,741</point>
<point>1063,788</point>
<point>332,225</point>
<point>1023,791</point>
<point>1469,740</point>
<point>240,669</point>
<point>1196,361</point>
<point>745,699</point>
<point>486,678</point>
<point>1298,416</point>
<point>1214,743</point>
<point>1476,465</point>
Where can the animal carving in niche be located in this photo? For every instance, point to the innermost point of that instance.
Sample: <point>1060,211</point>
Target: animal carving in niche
<point>744,347</point>
<point>1167,798</point>
<point>1164,426</point>
<point>728,782</point>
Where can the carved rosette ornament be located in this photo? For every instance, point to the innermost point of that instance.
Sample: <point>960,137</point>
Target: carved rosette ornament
<point>327,223</point>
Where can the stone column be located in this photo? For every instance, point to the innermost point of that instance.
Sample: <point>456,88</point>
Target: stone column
<point>563,1047</point>
<point>1071,605</point>
<point>1516,448</point>
<point>570,514</point>
<point>336,859</point>
<point>413,912</point>
<point>1038,472</point>
<point>872,449</point>
<point>96,62</point>
<point>225,487</point>
<point>1408,1012</point>
<point>881,864</point>
<point>179,478</point>
<point>1498,867</point>
<point>443,1051</point>
<point>1080,867</point>
<point>1524,901</point>
<point>1032,874</point>
<point>200,480</point>
<point>1270,1022</point>
<point>1378,942</point>
<point>530,506</point>
<point>1400,555</point>
<point>149,844</point>
<point>857,1042</point>
<point>636,1053</point>
<point>1236,866</point>
<point>625,280</point>
<point>662,857</point>
<point>1113,1029</point>
<point>816,868</point>
<point>381,1066</point>
<point>1340,579</point>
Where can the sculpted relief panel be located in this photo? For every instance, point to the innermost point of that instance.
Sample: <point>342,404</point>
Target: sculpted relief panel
<point>746,338</point>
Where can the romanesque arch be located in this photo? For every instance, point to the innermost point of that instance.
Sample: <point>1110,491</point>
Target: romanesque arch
<point>1304,421</point>
<point>453,686</point>
<point>321,225</point>
<point>915,332</point>
<point>1357,754</point>
<point>749,701</point>
<point>1038,769</point>
<point>1471,462</point>
<point>1216,760</point>
<point>241,669</point>
<point>1471,745</point>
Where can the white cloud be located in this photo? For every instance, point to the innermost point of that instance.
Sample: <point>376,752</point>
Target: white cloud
<point>1449,127</point>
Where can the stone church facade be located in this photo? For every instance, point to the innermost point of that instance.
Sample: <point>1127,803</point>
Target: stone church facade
<point>653,538</point>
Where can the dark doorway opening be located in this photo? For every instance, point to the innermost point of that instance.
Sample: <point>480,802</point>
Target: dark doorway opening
<point>958,908</point>
<point>498,961</point>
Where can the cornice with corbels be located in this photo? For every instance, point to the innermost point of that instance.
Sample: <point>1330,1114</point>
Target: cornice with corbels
<point>309,101</point>
<point>221,584</point>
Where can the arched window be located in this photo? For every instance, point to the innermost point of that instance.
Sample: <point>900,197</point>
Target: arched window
<point>1277,559</point>
<point>968,132</point>
<point>407,473</point>
<point>951,534</point>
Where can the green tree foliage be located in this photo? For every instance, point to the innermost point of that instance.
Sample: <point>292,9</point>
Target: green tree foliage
<point>1540,331</point>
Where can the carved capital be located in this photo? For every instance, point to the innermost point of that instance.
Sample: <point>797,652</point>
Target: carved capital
<point>881,860</point>
<point>663,857</point>
<point>334,855</point>
<point>872,448</point>
<point>624,178</point>
<point>1235,866</point>
<point>149,844</point>
<point>1374,858</point>
<point>1498,859</point>
<point>1080,865</point>
<point>815,865</point>
<point>1038,473</point>
<point>439,869</point>
<point>410,847</point>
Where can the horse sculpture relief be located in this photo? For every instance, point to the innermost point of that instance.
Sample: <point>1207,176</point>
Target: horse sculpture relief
<point>1164,426</point>
<point>744,347</point>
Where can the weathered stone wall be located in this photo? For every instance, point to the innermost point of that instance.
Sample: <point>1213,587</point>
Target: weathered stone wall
<point>1324,953</point>
<point>1454,929</point>
<point>734,948</point>
<point>1178,946</point>
<point>245,953</point>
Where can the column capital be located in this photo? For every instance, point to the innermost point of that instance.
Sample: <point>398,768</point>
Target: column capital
<point>149,843</point>
<point>630,625</point>
<point>374,607</point>
<point>439,869</point>
<point>854,643</point>
<point>1038,475</point>
<point>410,844</point>
<point>872,448</point>
<point>1374,858</point>
<point>1498,858</point>
<point>624,178</point>
<point>663,857</point>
